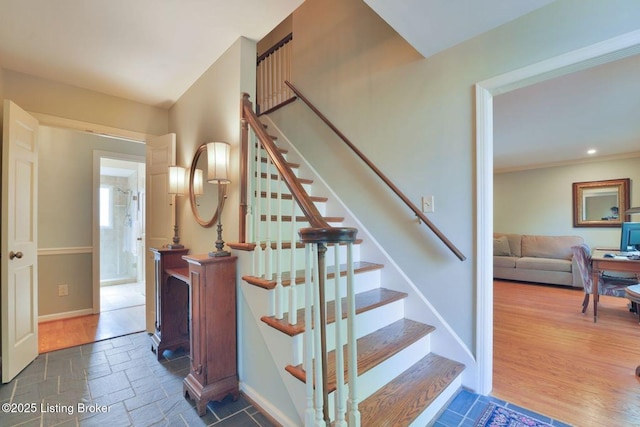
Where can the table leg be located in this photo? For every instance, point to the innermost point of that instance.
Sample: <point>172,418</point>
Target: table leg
<point>595,279</point>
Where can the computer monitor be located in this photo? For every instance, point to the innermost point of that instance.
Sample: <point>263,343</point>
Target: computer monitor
<point>630,237</point>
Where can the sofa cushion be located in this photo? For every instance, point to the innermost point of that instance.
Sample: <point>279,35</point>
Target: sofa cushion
<point>558,247</point>
<point>514,242</point>
<point>504,261</point>
<point>501,246</point>
<point>547,264</point>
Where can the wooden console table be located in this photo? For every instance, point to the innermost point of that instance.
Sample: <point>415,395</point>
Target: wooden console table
<point>172,301</point>
<point>214,368</point>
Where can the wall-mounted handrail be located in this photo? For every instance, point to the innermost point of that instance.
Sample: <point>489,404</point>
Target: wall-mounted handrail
<point>381,175</point>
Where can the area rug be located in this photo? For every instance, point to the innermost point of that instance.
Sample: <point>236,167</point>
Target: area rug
<point>498,416</point>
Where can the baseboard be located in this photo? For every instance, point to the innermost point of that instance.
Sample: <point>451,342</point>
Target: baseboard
<point>65,315</point>
<point>268,409</point>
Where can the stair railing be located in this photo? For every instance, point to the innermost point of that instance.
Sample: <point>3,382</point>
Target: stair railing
<point>421,216</point>
<point>257,231</point>
<point>273,69</point>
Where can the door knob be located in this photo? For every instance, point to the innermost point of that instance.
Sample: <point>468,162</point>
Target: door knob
<point>13,255</point>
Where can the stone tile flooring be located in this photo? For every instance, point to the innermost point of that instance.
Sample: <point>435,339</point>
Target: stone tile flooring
<point>116,382</point>
<point>466,407</point>
<point>119,382</point>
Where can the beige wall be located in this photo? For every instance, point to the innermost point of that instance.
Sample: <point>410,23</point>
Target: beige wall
<point>539,201</point>
<point>38,95</point>
<point>210,111</point>
<point>65,214</point>
<point>414,117</point>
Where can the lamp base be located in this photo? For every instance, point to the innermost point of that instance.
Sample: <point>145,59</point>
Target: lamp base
<point>219,253</point>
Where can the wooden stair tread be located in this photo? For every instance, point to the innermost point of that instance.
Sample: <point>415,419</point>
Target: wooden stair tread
<point>270,283</point>
<point>274,176</point>
<point>373,349</point>
<point>365,301</point>
<point>287,218</point>
<point>400,401</point>
<point>288,196</point>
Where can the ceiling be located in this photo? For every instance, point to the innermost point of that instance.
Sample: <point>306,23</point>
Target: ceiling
<point>152,51</point>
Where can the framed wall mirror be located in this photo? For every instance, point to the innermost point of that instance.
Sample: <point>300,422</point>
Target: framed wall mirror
<point>203,197</point>
<point>600,203</point>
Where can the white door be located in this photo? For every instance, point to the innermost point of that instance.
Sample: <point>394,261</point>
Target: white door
<point>19,248</point>
<point>161,153</point>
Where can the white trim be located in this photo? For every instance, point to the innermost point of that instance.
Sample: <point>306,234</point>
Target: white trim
<point>65,315</point>
<point>580,59</point>
<point>266,405</point>
<point>107,131</point>
<point>65,251</point>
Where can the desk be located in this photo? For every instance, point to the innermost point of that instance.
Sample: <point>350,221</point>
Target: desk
<point>600,264</point>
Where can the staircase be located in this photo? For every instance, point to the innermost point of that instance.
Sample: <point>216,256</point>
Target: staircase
<point>401,381</point>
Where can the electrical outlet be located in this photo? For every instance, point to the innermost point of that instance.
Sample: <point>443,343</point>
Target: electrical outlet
<point>427,204</point>
<point>63,290</point>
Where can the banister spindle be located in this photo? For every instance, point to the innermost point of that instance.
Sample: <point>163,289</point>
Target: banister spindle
<point>310,414</point>
<point>293,294</point>
<point>318,327</point>
<point>279,255</point>
<point>340,400</point>
<point>352,405</point>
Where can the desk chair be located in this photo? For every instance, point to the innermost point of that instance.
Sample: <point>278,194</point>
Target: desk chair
<point>607,285</point>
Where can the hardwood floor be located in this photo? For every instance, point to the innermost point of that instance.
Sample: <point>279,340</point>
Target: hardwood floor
<point>552,359</point>
<point>123,313</point>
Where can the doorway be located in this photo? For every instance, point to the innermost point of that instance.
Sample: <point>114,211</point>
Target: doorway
<point>121,219</point>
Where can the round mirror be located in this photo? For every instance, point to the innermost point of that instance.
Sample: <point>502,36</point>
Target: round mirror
<point>202,196</point>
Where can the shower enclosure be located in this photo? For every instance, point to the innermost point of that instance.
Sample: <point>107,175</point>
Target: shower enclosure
<point>121,221</point>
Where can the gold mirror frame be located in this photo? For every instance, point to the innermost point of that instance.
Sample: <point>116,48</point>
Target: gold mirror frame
<point>192,196</point>
<point>590,212</point>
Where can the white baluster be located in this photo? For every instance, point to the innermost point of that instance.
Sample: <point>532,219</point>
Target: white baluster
<point>340,401</point>
<point>317,339</point>
<point>308,334</point>
<point>279,289</point>
<point>293,295</point>
<point>259,254</point>
<point>268,259</point>
<point>352,406</point>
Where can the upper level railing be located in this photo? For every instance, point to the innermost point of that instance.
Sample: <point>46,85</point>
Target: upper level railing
<point>273,69</point>
<point>381,175</point>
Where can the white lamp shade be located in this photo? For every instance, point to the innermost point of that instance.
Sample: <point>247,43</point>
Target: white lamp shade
<point>177,180</point>
<point>218,168</point>
<point>198,188</point>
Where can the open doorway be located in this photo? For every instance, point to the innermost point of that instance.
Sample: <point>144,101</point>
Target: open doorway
<point>121,219</point>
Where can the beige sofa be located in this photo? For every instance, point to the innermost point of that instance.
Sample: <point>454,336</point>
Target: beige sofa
<point>539,259</point>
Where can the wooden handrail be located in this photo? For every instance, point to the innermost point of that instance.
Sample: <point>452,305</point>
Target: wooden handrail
<point>378,172</point>
<point>320,231</point>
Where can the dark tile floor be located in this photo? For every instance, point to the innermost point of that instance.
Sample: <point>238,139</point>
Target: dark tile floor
<point>116,382</point>
<point>119,382</point>
<point>466,407</point>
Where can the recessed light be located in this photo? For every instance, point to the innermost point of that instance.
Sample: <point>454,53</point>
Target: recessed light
<point>592,151</point>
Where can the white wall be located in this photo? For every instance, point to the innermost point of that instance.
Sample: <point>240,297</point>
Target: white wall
<point>414,118</point>
<point>539,201</point>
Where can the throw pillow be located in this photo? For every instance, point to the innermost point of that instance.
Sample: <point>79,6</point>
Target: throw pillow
<point>501,246</point>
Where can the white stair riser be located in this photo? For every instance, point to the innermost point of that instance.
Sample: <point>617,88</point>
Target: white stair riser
<point>286,206</point>
<point>283,186</point>
<point>440,402</point>
<point>329,256</point>
<point>366,323</point>
<point>362,282</point>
